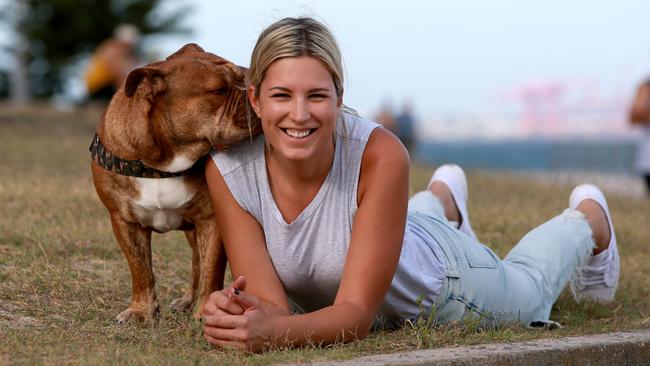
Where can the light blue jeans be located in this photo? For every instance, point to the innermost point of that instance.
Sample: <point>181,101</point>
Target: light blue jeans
<point>518,289</point>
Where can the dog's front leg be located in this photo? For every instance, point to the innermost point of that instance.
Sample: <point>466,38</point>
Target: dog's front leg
<point>135,242</point>
<point>185,302</point>
<point>213,262</point>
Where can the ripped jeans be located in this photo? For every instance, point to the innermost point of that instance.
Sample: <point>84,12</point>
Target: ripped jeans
<point>518,289</point>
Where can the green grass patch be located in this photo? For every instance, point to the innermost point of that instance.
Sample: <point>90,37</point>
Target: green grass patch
<point>63,278</point>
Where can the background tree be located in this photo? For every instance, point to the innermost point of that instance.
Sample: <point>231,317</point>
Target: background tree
<point>57,33</point>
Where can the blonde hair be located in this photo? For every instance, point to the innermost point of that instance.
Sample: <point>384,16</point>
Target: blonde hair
<point>295,37</point>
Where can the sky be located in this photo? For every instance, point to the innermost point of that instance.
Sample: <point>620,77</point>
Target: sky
<point>450,57</point>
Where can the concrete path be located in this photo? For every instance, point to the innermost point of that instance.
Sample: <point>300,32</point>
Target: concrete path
<point>624,348</point>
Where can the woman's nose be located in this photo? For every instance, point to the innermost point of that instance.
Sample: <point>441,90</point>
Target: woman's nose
<point>300,110</point>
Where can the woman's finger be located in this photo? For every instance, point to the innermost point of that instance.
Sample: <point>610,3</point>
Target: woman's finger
<point>224,334</point>
<point>220,303</point>
<point>239,284</point>
<point>245,300</point>
<point>210,308</point>
<point>224,321</point>
<point>217,312</point>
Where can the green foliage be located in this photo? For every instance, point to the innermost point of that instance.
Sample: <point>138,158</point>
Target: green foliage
<point>422,327</point>
<point>58,32</point>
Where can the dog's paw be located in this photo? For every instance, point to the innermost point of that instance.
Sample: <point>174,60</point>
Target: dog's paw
<point>125,316</point>
<point>130,315</point>
<point>181,304</point>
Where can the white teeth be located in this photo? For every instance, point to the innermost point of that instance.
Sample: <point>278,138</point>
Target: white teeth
<point>297,133</point>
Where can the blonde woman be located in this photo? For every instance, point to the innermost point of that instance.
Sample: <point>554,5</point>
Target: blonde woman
<point>324,243</point>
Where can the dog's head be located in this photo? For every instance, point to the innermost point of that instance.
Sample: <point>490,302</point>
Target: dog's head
<point>170,113</point>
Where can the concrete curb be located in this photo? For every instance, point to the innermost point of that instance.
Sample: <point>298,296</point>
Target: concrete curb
<point>623,348</point>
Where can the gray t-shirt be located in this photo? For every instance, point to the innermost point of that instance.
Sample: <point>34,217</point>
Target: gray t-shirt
<point>309,253</point>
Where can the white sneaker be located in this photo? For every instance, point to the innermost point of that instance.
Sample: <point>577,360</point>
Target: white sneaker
<point>598,279</point>
<point>453,176</point>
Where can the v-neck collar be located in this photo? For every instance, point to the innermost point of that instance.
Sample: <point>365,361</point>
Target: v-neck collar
<point>315,202</point>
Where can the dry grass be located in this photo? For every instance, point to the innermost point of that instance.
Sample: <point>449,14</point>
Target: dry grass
<point>63,278</point>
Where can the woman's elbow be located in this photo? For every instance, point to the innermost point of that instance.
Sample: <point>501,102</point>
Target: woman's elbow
<point>364,320</point>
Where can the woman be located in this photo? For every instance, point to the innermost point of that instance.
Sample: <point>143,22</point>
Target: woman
<point>314,220</point>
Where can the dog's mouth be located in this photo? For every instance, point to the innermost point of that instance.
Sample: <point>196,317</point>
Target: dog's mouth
<point>298,133</point>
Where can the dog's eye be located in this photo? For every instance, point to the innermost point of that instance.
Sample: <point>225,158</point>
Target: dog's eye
<point>220,91</point>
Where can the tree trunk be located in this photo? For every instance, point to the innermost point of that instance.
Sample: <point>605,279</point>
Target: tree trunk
<point>18,80</point>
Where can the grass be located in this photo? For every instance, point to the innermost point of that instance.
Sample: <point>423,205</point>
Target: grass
<point>63,278</point>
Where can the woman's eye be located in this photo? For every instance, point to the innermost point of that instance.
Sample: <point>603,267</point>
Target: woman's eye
<point>318,96</point>
<point>280,95</point>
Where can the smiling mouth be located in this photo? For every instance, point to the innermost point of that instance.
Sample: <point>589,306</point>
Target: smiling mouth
<point>298,134</point>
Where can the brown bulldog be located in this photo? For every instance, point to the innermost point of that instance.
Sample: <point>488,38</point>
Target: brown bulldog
<point>148,159</point>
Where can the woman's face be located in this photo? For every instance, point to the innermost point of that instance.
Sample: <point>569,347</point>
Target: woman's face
<point>298,106</point>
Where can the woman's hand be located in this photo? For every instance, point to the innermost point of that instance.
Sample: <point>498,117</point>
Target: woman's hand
<point>222,303</point>
<point>235,319</point>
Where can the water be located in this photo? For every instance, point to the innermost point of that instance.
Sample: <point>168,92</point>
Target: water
<point>616,157</point>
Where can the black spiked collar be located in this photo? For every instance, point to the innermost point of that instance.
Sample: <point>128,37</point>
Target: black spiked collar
<point>130,168</point>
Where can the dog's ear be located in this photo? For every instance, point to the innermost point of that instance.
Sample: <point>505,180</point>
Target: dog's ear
<point>150,77</point>
<point>242,76</point>
<point>236,74</point>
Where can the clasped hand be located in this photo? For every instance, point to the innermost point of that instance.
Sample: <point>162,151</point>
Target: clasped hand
<point>234,319</point>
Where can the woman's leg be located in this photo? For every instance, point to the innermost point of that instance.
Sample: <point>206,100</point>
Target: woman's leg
<point>427,203</point>
<point>445,198</point>
<point>597,220</point>
<point>538,268</point>
<point>524,286</point>
<point>579,245</point>
<point>597,280</point>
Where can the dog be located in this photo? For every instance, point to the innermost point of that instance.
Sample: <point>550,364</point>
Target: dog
<point>147,166</point>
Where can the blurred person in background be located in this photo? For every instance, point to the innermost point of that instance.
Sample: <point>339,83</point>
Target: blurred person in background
<point>386,118</point>
<point>404,126</point>
<point>640,116</point>
<point>111,62</point>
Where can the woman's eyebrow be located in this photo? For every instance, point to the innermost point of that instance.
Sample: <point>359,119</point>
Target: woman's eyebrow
<point>280,88</point>
<point>317,90</point>
<point>285,89</point>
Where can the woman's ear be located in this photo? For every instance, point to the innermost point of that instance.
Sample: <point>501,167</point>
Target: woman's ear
<point>254,100</point>
<point>339,100</point>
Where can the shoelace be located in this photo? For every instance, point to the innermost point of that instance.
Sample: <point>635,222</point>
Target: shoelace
<point>592,275</point>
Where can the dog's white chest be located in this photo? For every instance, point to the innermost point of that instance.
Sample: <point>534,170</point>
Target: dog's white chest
<point>162,202</point>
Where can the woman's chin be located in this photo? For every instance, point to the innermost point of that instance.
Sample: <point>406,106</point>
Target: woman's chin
<point>298,154</point>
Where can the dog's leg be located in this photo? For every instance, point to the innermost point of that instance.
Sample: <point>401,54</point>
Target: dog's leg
<point>185,302</point>
<point>135,242</point>
<point>213,262</point>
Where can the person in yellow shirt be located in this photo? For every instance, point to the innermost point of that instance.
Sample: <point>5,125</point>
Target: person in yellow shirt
<point>111,62</point>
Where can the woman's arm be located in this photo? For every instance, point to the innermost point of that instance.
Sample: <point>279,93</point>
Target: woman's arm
<point>378,228</point>
<point>640,111</point>
<point>244,242</point>
<point>373,254</point>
